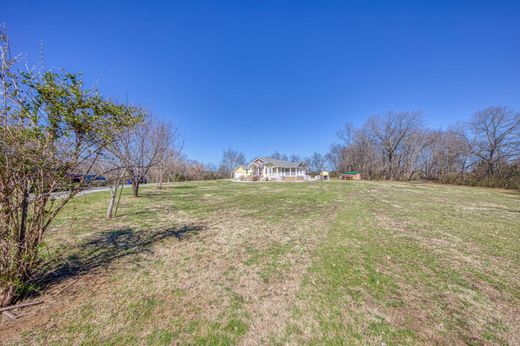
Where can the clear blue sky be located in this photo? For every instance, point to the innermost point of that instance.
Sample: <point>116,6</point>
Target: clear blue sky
<point>258,76</point>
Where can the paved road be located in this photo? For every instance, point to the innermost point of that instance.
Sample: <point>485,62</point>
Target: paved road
<point>86,192</point>
<point>97,189</point>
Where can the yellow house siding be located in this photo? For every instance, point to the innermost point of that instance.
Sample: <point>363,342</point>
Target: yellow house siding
<point>240,170</point>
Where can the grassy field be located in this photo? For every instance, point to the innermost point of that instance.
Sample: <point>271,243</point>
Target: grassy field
<point>220,263</point>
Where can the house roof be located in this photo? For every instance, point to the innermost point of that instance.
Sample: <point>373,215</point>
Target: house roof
<point>241,166</point>
<point>279,163</point>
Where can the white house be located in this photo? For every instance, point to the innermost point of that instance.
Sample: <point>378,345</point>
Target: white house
<point>267,168</point>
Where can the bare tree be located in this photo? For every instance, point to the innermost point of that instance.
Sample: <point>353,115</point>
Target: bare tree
<point>169,151</point>
<point>363,154</point>
<point>168,167</point>
<point>446,156</point>
<point>141,148</point>
<point>128,156</point>
<point>295,158</point>
<point>315,163</point>
<point>391,130</point>
<point>346,134</point>
<point>414,146</point>
<point>334,157</point>
<point>495,136</point>
<point>231,159</point>
<point>277,155</point>
<point>194,170</point>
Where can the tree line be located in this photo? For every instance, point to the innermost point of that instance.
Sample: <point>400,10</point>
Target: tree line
<point>485,150</point>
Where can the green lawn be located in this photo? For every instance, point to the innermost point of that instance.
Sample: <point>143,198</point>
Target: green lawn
<point>222,263</point>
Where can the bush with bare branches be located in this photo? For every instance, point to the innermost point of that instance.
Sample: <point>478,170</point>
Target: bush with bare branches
<point>53,130</point>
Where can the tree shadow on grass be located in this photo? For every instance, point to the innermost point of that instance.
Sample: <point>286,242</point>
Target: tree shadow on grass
<point>106,247</point>
<point>161,193</point>
<point>514,193</point>
<point>183,187</point>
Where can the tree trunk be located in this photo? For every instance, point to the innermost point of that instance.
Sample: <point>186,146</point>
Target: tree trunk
<point>491,167</point>
<point>119,199</point>
<point>23,221</point>
<point>390,173</point>
<point>8,293</point>
<point>160,178</point>
<point>113,193</point>
<point>135,188</point>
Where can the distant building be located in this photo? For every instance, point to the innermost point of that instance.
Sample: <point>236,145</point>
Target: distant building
<point>324,175</point>
<point>350,176</point>
<point>268,168</point>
